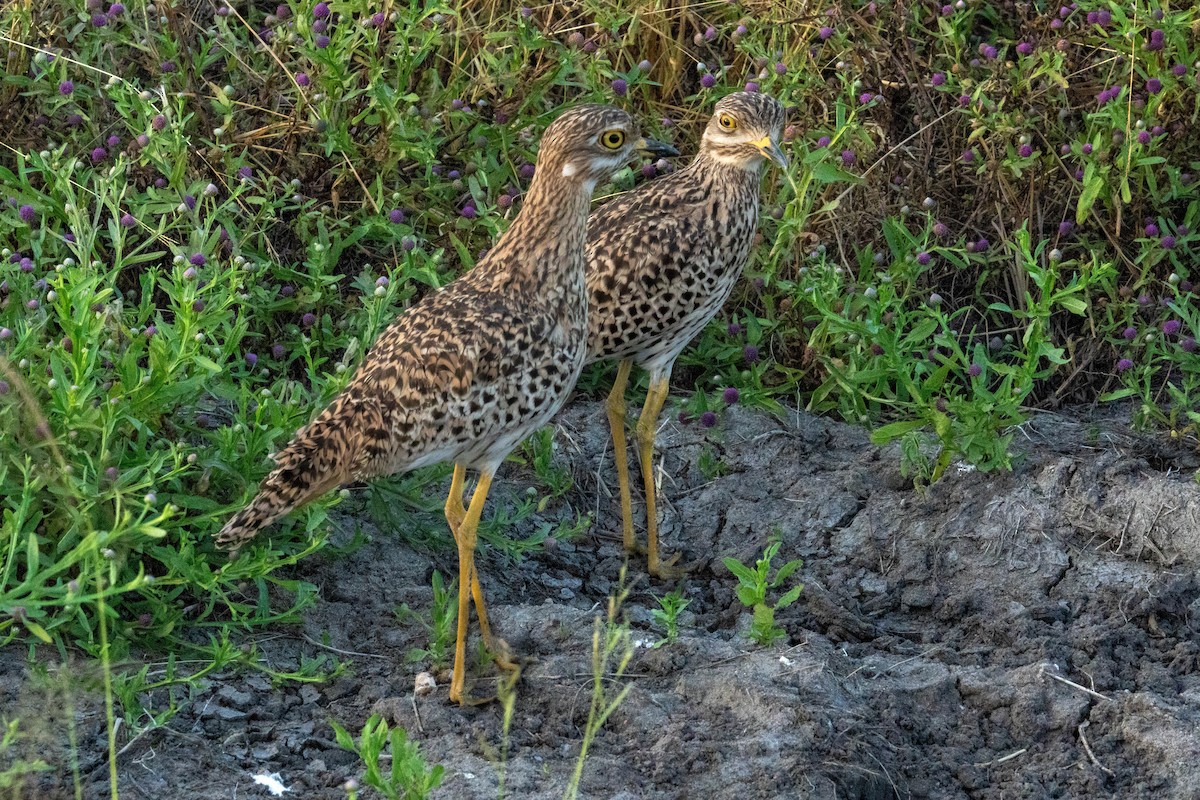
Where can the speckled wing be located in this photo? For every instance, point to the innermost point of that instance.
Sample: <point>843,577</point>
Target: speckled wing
<point>651,271</point>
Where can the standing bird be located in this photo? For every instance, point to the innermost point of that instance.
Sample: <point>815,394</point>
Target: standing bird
<point>469,371</point>
<point>662,259</point>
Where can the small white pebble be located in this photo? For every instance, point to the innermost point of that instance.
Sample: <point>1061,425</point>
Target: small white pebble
<point>424,684</point>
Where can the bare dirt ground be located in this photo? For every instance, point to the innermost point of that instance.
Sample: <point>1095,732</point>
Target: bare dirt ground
<point>1026,635</point>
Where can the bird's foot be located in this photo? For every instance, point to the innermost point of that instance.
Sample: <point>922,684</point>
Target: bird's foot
<point>666,570</point>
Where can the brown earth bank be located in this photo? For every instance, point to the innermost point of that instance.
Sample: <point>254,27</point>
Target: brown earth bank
<point>1033,634</point>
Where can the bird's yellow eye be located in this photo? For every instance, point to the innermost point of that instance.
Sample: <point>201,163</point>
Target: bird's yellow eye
<point>612,139</point>
<point>727,122</point>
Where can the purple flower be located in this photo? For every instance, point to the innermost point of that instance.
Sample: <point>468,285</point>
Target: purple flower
<point>98,155</point>
<point>982,245</point>
<point>620,87</point>
<point>251,359</point>
<point>167,66</point>
<point>116,9</point>
<point>321,10</point>
<point>198,260</point>
<point>27,213</point>
<point>1154,86</point>
<point>190,202</point>
<point>32,305</point>
<point>1156,40</point>
<point>66,87</point>
<point>1025,151</point>
<point>287,290</point>
<point>1179,70</point>
<point>750,354</point>
<point>968,156</point>
<point>321,41</point>
<point>1024,48</point>
<point>189,274</point>
<point>1171,327</point>
<point>127,220</point>
<point>377,20</point>
<point>924,258</point>
<point>197,306</point>
<point>1065,227</point>
<point>865,98</point>
<point>734,329</point>
<point>308,320</point>
<point>710,33</point>
<point>302,79</point>
<point>113,141</point>
<point>989,52</point>
<point>1124,364</point>
<point>469,211</point>
<point>974,370</point>
<point>99,20</point>
<point>457,104</point>
<point>1188,345</point>
<point>159,122</point>
<point>731,395</point>
<point>244,173</point>
<point>708,80</point>
<point>1087,149</point>
<point>825,32</point>
<point>504,201</point>
<point>941,230</point>
<point>74,120</point>
<point>3,384</point>
<point>142,140</point>
<point>751,87</point>
<point>5,333</point>
<point>396,216</point>
<point>1143,137</point>
<point>1168,242</point>
<point>708,419</point>
<point>848,158</point>
<point>408,244</point>
<point>823,141</point>
<point>780,68</point>
<point>1130,333</point>
<point>938,78</point>
<point>525,172</point>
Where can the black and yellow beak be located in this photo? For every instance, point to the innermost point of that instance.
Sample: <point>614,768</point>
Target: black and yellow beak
<point>653,147</point>
<point>767,146</point>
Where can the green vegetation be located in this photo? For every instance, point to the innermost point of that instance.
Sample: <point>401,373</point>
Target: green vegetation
<point>753,585</point>
<point>671,605</point>
<point>408,777</point>
<point>208,212</point>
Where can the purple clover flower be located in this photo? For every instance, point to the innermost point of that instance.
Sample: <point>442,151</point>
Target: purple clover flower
<point>708,419</point>
<point>396,216</point>
<point>198,260</point>
<point>27,213</point>
<point>708,80</point>
<point>751,87</point>
<point>1154,86</point>
<point>620,87</point>
<point>848,158</point>
<point>1124,364</point>
<point>731,395</point>
<point>66,87</point>
<point>750,354</point>
<point>1171,327</point>
<point>127,220</point>
<point>924,258</point>
<point>321,10</point>
<point>469,211</point>
<point>825,33</point>
<point>1065,227</point>
<point>974,370</point>
<point>321,41</point>
<point>938,79</point>
<point>1129,334</point>
<point>98,155</point>
<point>1025,151</point>
<point>302,79</point>
<point>1168,242</point>
<point>824,141</point>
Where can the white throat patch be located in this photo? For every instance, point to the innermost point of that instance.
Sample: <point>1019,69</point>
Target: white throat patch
<point>569,169</point>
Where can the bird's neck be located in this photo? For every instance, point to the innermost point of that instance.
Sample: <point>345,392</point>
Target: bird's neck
<point>545,242</point>
<point>713,161</point>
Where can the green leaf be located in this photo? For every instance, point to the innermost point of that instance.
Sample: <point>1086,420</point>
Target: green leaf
<point>791,597</point>
<point>895,430</point>
<point>1093,183</point>
<point>824,172</point>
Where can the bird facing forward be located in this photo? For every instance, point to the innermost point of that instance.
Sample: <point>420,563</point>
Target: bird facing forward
<point>468,372</point>
<point>662,259</point>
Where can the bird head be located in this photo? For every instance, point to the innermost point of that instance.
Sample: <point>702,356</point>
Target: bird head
<point>745,129</point>
<point>588,143</point>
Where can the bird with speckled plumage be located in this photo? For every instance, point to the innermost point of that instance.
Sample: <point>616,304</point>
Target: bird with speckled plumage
<point>469,371</point>
<point>662,260</point>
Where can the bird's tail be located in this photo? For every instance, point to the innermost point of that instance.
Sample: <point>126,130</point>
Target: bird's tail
<point>321,456</point>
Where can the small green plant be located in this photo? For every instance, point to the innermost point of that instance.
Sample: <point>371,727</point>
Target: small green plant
<point>13,772</point>
<point>443,615</point>
<point>408,778</point>
<point>753,585</point>
<point>710,464</point>
<point>612,650</point>
<point>671,605</point>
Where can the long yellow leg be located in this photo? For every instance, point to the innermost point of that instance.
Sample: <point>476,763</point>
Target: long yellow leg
<point>615,405</point>
<point>646,426</point>
<point>467,582</point>
<point>455,514</point>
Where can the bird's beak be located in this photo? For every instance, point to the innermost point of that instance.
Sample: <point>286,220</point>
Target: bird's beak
<point>770,149</point>
<point>653,147</point>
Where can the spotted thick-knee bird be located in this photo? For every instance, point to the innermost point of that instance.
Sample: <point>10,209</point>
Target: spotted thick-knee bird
<point>468,372</point>
<point>662,259</point>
